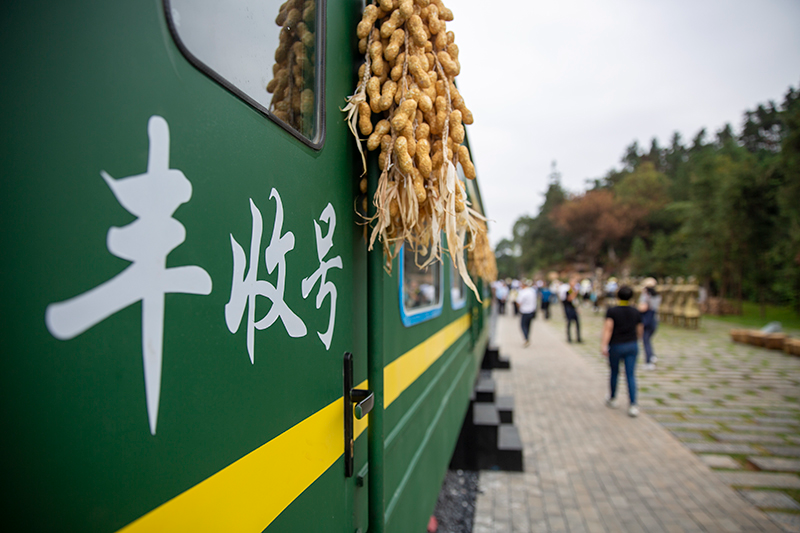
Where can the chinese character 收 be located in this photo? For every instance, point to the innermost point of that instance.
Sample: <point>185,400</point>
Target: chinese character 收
<point>246,287</point>
<point>147,241</point>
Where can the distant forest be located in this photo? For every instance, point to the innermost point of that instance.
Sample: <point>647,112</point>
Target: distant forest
<point>724,208</point>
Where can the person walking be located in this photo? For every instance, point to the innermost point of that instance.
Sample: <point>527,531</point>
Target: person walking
<point>621,331</point>
<point>649,302</point>
<point>526,298</point>
<point>571,313</point>
<point>546,301</point>
<point>501,294</point>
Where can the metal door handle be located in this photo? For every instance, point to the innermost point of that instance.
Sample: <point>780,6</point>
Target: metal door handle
<point>364,400</point>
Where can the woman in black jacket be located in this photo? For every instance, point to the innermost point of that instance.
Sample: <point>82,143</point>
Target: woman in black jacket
<point>621,331</point>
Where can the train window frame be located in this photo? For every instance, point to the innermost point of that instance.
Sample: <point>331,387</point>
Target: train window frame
<point>315,143</point>
<point>412,318</point>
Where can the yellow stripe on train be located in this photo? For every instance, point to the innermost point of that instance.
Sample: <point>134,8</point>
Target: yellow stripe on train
<point>250,493</point>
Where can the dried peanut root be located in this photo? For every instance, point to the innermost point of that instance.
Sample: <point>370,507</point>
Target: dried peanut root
<point>292,85</point>
<point>408,107</point>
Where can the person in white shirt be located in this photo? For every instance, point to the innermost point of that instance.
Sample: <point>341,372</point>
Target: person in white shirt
<point>501,293</point>
<point>526,298</point>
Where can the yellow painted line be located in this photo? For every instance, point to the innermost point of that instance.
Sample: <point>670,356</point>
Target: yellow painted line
<point>250,493</point>
<point>405,370</point>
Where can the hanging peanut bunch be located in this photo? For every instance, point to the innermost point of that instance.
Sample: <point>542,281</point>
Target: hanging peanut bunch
<point>293,72</point>
<point>407,104</point>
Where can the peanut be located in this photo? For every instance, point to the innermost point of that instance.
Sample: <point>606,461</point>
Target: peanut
<point>451,68</point>
<point>364,122</point>
<point>416,30</point>
<point>387,95</point>
<point>394,22</point>
<point>465,162</point>
<point>421,77</point>
<point>404,161</point>
<point>456,129</point>
<point>444,13</point>
<point>404,114</point>
<point>367,21</point>
<point>419,186</point>
<point>379,66</point>
<point>374,93</point>
<point>398,38</point>
<point>434,23</point>
<point>423,157</point>
<point>381,128</point>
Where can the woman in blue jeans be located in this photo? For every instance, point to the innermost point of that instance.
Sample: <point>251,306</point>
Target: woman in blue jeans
<point>621,332</point>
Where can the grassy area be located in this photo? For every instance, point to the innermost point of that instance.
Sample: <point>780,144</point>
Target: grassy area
<point>751,317</point>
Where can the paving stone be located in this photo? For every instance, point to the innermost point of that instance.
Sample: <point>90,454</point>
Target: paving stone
<point>785,451</point>
<point>689,435</point>
<point>770,499</point>
<point>578,454</point>
<point>760,479</point>
<point>681,426</point>
<point>776,464</point>
<point>720,447</point>
<point>761,429</point>
<point>774,420</point>
<point>715,418</point>
<point>726,411</point>
<point>789,522</point>
<point>720,461</point>
<point>743,437</point>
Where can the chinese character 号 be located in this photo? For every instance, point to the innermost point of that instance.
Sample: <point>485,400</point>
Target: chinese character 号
<point>324,245</point>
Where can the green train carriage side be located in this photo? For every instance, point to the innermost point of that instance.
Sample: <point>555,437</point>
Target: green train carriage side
<point>184,272</point>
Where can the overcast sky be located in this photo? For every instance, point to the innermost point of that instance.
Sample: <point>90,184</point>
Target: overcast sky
<point>578,81</point>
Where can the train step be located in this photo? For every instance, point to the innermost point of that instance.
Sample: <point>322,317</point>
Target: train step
<point>509,449</point>
<point>484,390</point>
<point>505,409</point>
<point>488,439</point>
<point>492,359</point>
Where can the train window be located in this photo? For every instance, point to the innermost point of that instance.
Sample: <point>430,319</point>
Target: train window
<point>267,52</point>
<point>420,289</point>
<point>458,289</point>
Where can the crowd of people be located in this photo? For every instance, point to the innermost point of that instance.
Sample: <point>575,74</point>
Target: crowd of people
<point>625,321</point>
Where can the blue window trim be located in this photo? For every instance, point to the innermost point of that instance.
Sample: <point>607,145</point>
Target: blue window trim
<point>412,319</point>
<point>457,304</point>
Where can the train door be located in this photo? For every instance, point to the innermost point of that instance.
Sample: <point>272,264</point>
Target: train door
<point>182,268</point>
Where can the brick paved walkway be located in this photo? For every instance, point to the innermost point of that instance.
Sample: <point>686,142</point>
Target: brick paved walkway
<point>593,469</point>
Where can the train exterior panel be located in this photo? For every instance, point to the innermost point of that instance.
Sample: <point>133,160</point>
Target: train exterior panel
<point>183,274</point>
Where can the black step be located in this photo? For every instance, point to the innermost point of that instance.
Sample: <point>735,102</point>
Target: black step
<point>505,408</point>
<point>485,422</point>
<point>484,390</point>
<point>509,449</point>
<point>493,359</point>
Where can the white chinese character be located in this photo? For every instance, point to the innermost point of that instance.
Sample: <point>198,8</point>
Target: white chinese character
<point>153,197</point>
<point>245,288</point>
<point>324,245</point>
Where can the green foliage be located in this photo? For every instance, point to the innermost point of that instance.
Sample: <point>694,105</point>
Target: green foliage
<point>726,210</point>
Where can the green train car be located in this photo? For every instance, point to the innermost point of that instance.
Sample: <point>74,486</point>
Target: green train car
<point>184,273</point>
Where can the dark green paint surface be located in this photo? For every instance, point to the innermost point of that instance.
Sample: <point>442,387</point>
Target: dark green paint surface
<point>80,81</point>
